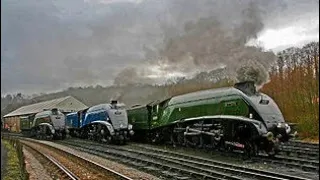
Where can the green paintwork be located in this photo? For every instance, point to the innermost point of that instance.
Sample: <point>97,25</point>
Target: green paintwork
<point>25,122</point>
<point>223,101</point>
<point>139,117</point>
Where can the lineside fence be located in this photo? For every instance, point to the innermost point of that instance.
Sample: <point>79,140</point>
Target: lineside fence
<point>24,175</point>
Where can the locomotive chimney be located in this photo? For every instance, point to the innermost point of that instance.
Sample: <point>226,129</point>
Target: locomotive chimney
<point>113,102</point>
<point>246,87</point>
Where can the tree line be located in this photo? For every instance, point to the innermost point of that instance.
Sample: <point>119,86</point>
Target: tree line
<point>294,85</point>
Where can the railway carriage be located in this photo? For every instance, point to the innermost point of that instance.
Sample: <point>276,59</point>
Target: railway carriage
<point>227,118</point>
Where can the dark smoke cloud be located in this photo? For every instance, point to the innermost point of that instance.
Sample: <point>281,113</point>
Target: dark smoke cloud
<point>252,73</point>
<point>207,43</point>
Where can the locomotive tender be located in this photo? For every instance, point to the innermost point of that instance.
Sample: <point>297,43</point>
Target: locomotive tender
<point>236,117</point>
<point>48,124</point>
<point>104,123</point>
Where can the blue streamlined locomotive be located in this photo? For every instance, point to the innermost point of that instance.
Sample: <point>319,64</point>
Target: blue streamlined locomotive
<point>104,123</point>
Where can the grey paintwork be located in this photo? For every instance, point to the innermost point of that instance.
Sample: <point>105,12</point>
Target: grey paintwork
<point>58,120</point>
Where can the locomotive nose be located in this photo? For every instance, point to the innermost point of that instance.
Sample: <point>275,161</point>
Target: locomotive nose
<point>131,132</point>
<point>284,131</point>
<point>285,127</point>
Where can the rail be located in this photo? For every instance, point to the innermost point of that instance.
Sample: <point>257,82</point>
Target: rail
<point>65,172</point>
<point>91,163</point>
<point>169,160</point>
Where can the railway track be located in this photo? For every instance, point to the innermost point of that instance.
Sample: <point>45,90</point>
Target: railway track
<point>292,162</point>
<point>164,170</point>
<point>78,167</point>
<point>305,153</point>
<point>302,144</point>
<point>303,157</point>
<point>299,149</point>
<point>57,169</point>
<point>177,165</point>
<point>8,134</point>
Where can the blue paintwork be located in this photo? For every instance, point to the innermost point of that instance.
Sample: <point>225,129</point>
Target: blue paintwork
<point>72,120</point>
<point>99,115</point>
<point>94,113</point>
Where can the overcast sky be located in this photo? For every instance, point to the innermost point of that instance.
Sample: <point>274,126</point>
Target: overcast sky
<point>51,45</point>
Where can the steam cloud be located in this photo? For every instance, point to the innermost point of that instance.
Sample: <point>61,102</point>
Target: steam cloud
<point>52,45</point>
<point>205,45</point>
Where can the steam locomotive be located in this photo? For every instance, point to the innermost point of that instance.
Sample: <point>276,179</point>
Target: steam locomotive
<point>48,124</point>
<point>107,123</point>
<point>230,118</point>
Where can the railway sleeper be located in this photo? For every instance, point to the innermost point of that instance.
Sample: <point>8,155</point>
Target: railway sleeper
<point>210,172</point>
<point>213,162</point>
<point>202,161</point>
<point>290,164</point>
<point>156,164</point>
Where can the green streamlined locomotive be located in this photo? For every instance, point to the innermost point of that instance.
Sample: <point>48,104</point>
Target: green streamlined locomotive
<point>223,118</point>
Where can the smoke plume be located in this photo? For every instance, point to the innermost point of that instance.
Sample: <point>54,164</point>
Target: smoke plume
<point>85,43</point>
<point>205,45</point>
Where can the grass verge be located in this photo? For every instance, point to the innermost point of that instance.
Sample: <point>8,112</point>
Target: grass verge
<point>13,164</point>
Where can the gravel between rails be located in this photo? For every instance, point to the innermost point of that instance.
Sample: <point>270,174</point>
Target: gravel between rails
<point>297,147</point>
<point>127,171</point>
<point>38,166</point>
<point>306,151</point>
<point>306,165</point>
<point>195,163</point>
<point>284,161</point>
<point>163,168</point>
<point>78,168</point>
<point>205,160</point>
<point>303,154</point>
<point>303,144</point>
